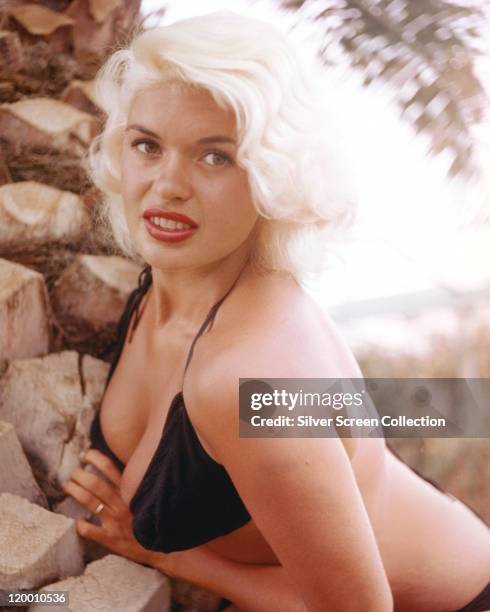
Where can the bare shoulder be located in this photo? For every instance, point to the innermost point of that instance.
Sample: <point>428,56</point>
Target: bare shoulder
<point>272,330</point>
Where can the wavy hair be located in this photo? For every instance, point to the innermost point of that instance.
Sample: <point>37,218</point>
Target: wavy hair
<point>288,142</point>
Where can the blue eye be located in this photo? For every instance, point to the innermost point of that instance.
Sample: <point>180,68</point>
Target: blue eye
<point>216,158</point>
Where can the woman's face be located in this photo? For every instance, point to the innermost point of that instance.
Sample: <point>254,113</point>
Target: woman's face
<point>186,201</point>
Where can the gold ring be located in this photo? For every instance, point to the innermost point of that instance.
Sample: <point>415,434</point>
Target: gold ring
<point>99,508</point>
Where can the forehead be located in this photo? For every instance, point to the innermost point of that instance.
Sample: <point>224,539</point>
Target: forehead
<point>173,107</point>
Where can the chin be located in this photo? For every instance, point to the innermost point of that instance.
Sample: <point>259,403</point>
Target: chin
<point>160,260</point>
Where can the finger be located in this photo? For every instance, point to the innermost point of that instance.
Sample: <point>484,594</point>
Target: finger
<point>90,531</point>
<point>81,495</point>
<point>104,464</point>
<point>100,489</point>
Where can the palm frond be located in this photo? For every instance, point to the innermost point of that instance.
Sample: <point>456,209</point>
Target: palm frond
<point>426,50</point>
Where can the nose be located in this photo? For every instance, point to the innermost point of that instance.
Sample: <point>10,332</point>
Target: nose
<point>172,179</point>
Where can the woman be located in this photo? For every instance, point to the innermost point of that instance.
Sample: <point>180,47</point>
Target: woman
<point>219,169</point>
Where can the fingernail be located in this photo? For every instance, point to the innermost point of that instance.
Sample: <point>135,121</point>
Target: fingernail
<point>82,454</point>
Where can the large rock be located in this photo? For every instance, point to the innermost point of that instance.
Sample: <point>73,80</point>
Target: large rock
<point>11,54</point>
<point>94,374</point>
<point>33,214</point>
<point>36,546</point>
<point>114,583</point>
<point>45,400</point>
<point>81,95</point>
<point>16,475</point>
<point>24,328</point>
<point>44,122</point>
<point>90,295</point>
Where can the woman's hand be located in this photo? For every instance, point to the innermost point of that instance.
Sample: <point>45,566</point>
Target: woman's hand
<point>116,530</point>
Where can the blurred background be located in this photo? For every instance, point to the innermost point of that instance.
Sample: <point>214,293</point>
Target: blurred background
<point>410,286</point>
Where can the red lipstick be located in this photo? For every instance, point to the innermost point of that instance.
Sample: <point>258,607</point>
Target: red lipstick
<point>170,232</point>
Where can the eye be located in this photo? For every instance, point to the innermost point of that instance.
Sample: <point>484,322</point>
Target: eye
<point>145,142</point>
<point>217,158</point>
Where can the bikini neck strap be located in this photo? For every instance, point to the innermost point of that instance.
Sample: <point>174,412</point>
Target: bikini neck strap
<point>210,317</point>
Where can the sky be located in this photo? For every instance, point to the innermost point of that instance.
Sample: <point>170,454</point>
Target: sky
<point>413,230</point>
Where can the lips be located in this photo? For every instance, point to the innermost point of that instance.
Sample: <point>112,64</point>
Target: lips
<point>168,226</point>
<point>172,216</point>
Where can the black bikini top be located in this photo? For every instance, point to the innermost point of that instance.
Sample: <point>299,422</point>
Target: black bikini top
<point>185,498</point>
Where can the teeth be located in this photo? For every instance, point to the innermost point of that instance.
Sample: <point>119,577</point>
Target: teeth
<point>169,224</point>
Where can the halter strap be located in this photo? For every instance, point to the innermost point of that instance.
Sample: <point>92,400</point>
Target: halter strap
<point>114,349</point>
<point>209,318</point>
<point>134,303</point>
<point>144,282</point>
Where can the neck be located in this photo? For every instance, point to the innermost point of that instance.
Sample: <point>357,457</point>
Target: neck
<point>184,296</point>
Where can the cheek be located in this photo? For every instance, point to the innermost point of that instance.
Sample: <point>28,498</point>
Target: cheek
<point>245,210</point>
<point>235,207</point>
<point>132,186</point>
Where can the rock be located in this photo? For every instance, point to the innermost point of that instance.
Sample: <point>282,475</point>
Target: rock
<point>37,122</point>
<point>36,545</point>
<point>38,25</point>
<point>94,374</point>
<point>81,95</point>
<point>16,475</point>
<point>33,214</point>
<point>45,401</point>
<point>39,20</point>
<point>91,293</point>
<point>5,176</point>
<point>114,583</point>
<point>11,55</point>
<point>24,329</point>
<point>99,25</point>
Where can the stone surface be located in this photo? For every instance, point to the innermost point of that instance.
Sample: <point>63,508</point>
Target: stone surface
<point>11,54</point>
<point>33,214</point>
<point>36,546</point>
<point>39,20</point>
<point>44,399</point>
<point>81,95</point>
<point>45,122</point>
<point>94,374</point>
<point>16,475</point>
<point>91,293</point>
<point>24,328</point>
<point>114,583</point>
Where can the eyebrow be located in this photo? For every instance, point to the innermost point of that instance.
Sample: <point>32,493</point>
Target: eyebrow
<point>205,140</point>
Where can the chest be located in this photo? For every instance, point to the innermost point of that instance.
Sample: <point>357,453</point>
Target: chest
<point>136,405</point>
<point>136,398</point>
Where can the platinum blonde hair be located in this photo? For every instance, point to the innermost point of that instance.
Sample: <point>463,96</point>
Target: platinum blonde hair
<point>288,142</point>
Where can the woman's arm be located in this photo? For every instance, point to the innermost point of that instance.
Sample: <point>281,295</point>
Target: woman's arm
<point>301,493</point>
<point>255,588</point>
<point>252,588</point>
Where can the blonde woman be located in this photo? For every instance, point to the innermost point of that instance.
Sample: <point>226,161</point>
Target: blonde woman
<point>219,166</point>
